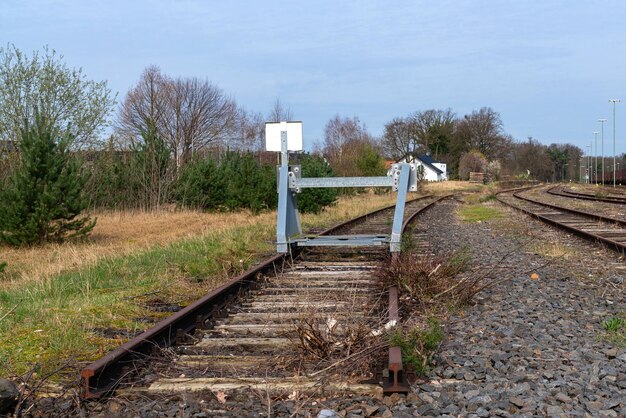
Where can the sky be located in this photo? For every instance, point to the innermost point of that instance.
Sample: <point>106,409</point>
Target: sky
<point>548,67</point>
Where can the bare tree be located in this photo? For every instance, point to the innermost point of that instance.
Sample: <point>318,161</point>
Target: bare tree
<point>249,132</point>
<point>529,157</point>
<point>428,131</point>
<point>280,112</point>
<point>350,149</point>
<point>434,130</point>
<point>344,139</point>
<point>483,131</point>
<point>143,106</point>
<point>197,114</point>
<point>189,113</point>
<point>401,137</point>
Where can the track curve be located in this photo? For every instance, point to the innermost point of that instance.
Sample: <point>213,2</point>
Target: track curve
<point>594,227</point>
<point>564,192</point>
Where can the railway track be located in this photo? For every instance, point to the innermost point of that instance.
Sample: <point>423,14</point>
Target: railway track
<point>565,192</point>
<point>595,227</point>
<point>274,328</point>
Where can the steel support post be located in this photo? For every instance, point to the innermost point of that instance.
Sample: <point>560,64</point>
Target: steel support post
<point>398,216</point>
<point>288,222</point>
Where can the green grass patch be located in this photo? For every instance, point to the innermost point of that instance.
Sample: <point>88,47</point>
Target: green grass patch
<point>615,330</point>
<point>55,320</point>
<point>479,213</point>
<point>487,198</point>
<point>419,345</point>
<point>614,324</point>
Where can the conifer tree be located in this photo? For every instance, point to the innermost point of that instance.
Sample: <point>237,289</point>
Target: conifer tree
<point>43,200</point>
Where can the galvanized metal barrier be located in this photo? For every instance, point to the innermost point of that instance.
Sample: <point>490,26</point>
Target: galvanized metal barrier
<point>402,178</point>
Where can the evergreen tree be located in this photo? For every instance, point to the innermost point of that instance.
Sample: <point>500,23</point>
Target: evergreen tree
<point>315,200</point>
<point>151,167</point>
<point>200,185</point>
<point>44,198</point>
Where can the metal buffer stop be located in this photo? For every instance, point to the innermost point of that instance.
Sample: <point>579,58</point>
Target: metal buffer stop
<point>284,137</point>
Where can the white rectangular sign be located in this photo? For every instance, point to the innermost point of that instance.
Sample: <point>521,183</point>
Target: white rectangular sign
<point>272,135</point>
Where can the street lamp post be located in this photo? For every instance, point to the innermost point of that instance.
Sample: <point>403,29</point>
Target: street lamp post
<point>587,170</point>
<point>614,101</point>
<point>602,122</point>
<point>589,147</point>
<point>580,170</point>
<point>595,170</point>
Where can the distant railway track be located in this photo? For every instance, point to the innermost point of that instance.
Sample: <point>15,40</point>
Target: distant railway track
<point>231,337</point>
<point>591,226</point>
<point>564,192</point>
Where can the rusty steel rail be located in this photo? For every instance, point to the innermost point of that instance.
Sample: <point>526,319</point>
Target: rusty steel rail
<point>559,191</point>
<point>105,374</point>
<point>397,380</point>
<point>615,245</point>
<point>593,216</point>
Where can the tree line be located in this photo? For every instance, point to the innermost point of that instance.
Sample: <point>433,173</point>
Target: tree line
<point>183,141</point>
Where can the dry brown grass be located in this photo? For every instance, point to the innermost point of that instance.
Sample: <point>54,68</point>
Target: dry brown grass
<point>122,233</point>
<point>552,249</point>
<point>451,186</point>
<point>118,234</point>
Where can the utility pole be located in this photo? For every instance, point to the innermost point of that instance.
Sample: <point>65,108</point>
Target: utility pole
<point>596,157</point>
<point>602,122</point>
<point>614,101</point>
<point>588,177</point>
<point>580,170</point>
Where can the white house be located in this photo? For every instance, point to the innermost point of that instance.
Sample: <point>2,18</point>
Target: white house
<point>433,170</point>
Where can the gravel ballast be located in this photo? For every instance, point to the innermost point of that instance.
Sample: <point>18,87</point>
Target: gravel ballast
<point>530,347</point>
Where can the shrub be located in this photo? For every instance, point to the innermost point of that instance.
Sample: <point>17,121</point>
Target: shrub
<point>199,185</point>
<point>236,181</point>
<point>424,278</point>
<point>112,184</point>
<point>472,161</point>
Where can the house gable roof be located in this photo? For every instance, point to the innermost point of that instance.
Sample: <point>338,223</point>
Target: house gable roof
<point>425,159</point>
<point>428,161</point>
